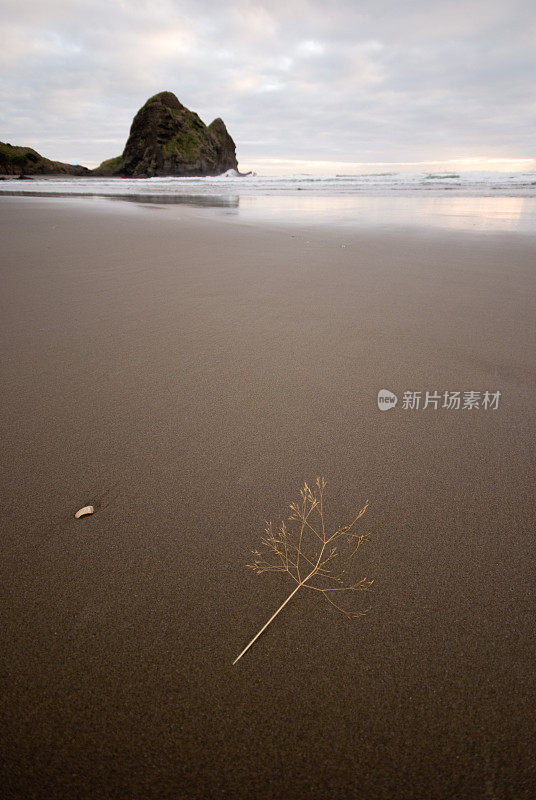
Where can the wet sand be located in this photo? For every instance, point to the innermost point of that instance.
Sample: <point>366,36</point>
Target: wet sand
<point>184,372</point>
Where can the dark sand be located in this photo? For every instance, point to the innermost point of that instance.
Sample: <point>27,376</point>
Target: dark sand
<point>184,373</point>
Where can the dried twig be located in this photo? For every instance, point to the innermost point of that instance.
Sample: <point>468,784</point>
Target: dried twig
<point>313,558</point>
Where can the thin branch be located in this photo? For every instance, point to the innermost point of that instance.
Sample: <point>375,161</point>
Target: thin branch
<point>300,542</point>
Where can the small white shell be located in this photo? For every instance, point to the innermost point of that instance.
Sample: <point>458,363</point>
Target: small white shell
<point>83,512</point>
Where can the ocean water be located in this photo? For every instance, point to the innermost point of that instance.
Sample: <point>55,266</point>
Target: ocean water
<point>471,200</point>
<point>466,183</point>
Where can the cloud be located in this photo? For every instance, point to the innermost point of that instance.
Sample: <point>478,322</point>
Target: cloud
<point>295,82</point>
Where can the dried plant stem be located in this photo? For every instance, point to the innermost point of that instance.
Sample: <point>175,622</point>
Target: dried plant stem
<point>306,544</point>
<point>274,615</point>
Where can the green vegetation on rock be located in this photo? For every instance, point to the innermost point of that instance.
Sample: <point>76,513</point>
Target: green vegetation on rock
<point>110,167</point>
<point>185,145</point>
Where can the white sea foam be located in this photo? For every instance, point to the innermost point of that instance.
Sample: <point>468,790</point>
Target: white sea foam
<point>480,184</point>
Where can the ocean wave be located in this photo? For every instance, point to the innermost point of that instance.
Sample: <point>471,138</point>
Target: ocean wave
<point>232,183</point>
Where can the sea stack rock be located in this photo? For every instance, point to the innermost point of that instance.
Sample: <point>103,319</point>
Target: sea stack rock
<point>166,138</point>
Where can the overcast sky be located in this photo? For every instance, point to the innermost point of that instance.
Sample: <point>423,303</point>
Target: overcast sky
<point>302,85</point>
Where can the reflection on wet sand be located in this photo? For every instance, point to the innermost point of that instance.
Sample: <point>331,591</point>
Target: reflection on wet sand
<point>401,210</point>
<point>448,212</point>
<point>197,200</point>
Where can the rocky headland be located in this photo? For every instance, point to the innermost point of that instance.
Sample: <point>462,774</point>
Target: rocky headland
<point>167,139</point>
<point>15,160</point>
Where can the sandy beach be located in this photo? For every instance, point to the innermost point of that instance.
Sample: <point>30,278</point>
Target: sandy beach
<point>185,371</point>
